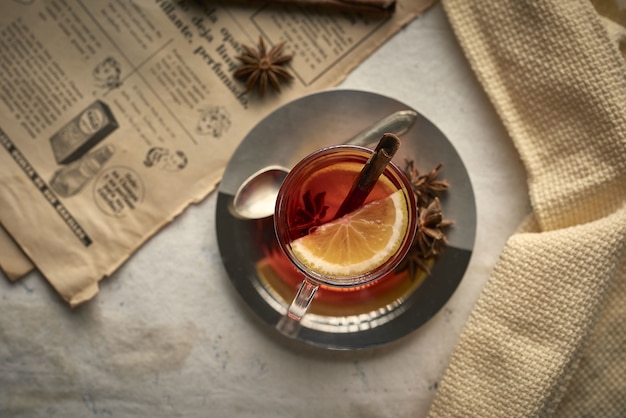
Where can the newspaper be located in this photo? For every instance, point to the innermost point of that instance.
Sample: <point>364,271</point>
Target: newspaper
<point>115,115</point>
<point>15,264</point>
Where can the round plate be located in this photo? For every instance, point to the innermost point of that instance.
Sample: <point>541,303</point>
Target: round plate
<point>385,311</point>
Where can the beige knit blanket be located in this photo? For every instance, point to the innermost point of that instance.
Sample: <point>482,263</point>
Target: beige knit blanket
<point>547,337</point>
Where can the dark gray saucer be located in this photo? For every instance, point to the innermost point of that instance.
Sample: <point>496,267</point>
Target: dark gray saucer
<point>249,250</point>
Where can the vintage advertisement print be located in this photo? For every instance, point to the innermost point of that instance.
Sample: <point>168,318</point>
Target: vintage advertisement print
<point>115,115</point>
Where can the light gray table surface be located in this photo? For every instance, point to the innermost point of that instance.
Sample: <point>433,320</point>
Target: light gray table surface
<point>168,335</point>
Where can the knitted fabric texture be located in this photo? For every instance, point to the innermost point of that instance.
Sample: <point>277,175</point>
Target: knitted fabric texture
<point>547,335</point>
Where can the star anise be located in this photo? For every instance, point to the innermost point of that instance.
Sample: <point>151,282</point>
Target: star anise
<point>430,239</point>
<point>312,214</point>
<point>425,186</point>
<point>261,67</point>
<point>430,236</point>
<point>414,261</point>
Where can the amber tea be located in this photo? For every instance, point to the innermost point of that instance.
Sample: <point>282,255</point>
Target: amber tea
<point>336,249</point>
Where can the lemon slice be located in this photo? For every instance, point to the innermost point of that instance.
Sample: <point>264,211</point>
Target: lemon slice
<point>357,243</point>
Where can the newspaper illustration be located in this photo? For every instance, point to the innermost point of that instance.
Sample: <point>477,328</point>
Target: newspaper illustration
<point>115,115</point>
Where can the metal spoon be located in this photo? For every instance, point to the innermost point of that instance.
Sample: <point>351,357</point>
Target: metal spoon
<point>256,197</point>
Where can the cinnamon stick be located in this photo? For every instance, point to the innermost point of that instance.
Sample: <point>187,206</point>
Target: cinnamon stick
<point>367,6</point>
<point>367,178</point>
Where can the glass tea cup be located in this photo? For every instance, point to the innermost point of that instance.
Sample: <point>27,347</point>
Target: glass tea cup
<point>310,196</point>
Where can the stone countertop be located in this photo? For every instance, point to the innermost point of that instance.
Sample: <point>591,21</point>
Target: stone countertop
<point>169,336</point>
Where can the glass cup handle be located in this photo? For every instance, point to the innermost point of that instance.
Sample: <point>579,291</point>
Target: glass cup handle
<point>289,324</point>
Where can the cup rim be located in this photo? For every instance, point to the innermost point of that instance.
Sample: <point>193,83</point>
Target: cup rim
<point>280,213</point>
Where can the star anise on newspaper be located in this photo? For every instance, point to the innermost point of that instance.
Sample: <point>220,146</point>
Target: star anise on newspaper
<point>262,67</point>
<point>313,212</point>
<point>425,186</point>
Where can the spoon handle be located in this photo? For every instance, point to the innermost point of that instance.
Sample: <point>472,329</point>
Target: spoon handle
<point>397,123</point>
